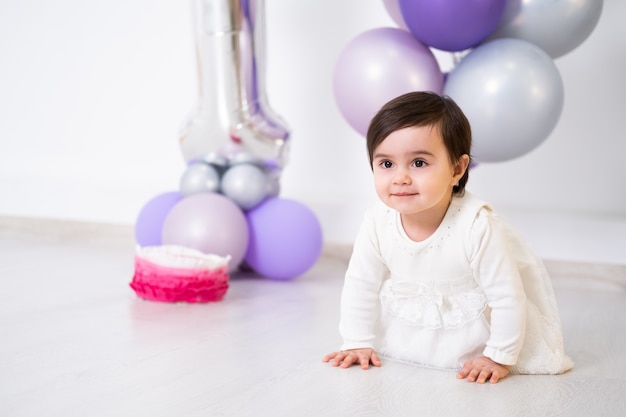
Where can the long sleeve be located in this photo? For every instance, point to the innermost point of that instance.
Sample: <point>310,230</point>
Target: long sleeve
<point>360,296</point>
<point>497,273</point>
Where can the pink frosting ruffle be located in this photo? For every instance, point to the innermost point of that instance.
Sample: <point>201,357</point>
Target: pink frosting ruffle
<point>158,282</point>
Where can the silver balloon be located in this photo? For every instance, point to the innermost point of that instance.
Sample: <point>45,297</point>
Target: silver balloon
<point>557,27</point>
<point>245,158</point>
<point>232,107</point>
<point>512,94</point>
<point>273,187</point>
<point>215,159</point>
<point>199,177</point>
<point>246,185</point>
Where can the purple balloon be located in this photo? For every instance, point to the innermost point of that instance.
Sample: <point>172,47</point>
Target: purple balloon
<point>452,25</point>
<point>151,217</point>
<point>379,65</point>
<point>210,223</point>
<point>285,239</point>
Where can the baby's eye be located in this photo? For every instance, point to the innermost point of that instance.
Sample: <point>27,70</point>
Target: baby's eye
<point>418,163</point>
<point>386,164</point>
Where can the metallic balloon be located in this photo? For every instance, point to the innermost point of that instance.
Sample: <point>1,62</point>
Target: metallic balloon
<point>232,105</point>
<point>512,94</point>
<point>216,160</point>
<point>273,187</point>
<point>245,158</point>
<point>199,177</point>
<point>557,27</point>
<point>245,184</point>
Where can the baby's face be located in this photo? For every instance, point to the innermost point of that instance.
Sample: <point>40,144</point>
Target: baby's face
<point>412,170</point>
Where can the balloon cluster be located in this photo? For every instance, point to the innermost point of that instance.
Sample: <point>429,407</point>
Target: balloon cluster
<point>228,202</point>
<point>230,207</point>
<point>242,177</point>
<point>504,76</point>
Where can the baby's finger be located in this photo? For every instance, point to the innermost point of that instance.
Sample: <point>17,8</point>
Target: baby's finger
<point>376,360</point>
<point>348,360</point>
<point>336,358</point>
<point>498,375</point>
<point>330,357</point>
<point>473,375</point>
<point>483,376</point>
<point>463,373</point>
<point>365,362</point>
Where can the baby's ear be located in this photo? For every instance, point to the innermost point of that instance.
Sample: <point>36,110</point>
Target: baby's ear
<point>461,165</point>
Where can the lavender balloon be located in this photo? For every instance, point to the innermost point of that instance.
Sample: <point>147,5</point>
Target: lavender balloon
<point>452,25</point>
<point>393,9</point>
<point>285,239</point>
<point>378,65</point>
<point>210,223</point>
<point>150,220</point>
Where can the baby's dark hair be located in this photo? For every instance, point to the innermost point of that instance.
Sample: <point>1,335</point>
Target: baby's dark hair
<point>424,108</point>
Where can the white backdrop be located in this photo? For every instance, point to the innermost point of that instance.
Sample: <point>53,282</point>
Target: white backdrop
<point>92,95</point>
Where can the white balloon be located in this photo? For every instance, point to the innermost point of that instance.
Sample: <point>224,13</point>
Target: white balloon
<point>557,27</point>
<point>512,94</point>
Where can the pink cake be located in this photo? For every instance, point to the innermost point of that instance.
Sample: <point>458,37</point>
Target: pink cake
<point>177,274</point>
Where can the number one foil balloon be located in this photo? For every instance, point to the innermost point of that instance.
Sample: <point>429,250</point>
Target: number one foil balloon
<point>232,114</point>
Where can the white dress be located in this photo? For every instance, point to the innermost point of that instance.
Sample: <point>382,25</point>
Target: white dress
<point>472,288</point>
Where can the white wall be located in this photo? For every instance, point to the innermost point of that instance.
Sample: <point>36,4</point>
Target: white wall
<point>92,95</point>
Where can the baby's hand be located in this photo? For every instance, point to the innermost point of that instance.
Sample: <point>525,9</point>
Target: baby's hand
<point>354,356</point>
<point>482,368</point>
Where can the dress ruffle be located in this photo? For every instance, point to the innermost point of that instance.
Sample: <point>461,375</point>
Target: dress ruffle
<point>433,307</point>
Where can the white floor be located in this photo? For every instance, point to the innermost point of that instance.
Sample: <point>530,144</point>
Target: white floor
<point>76,341</point>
